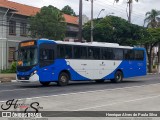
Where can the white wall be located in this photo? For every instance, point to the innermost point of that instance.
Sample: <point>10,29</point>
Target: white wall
<point>3,29</point>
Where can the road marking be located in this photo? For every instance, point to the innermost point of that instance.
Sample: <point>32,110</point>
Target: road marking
<point>74,93</point>
<point>15,83</point>
<point>13,90</point>
<point>115,103</point>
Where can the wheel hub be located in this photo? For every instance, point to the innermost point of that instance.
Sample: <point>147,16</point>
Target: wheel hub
<point>63,78</point>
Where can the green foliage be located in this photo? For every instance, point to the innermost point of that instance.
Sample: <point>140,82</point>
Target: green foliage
<point>68,10</point>
<point>113,29</point>
<point>48,23</point>
<point>12,68</point>
<point>150,37</point>
<point>151,18</point>
<point>8,71</point>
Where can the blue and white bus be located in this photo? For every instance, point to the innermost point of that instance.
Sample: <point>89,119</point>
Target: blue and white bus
<point>58,61</point>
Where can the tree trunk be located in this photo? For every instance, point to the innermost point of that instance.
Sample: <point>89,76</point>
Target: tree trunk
<point>149,55</point>
<point>150,63</point>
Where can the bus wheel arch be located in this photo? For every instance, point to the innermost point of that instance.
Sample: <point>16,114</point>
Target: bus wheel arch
<point>118,76</point>
<point>63,78</point>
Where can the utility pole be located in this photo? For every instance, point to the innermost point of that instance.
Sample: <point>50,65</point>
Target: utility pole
<point>80,21</point>
<point>91,21</point>
<point>130,10</point>
<point>158,58</point>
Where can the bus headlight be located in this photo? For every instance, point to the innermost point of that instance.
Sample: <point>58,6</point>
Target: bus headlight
<point>34,72</point>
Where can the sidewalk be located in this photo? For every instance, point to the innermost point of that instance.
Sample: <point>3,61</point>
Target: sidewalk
<point>7,77</point>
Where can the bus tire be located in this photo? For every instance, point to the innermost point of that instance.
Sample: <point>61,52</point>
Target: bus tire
<point>118,77</point>
<point>45,83</point>
<point>63,79</point>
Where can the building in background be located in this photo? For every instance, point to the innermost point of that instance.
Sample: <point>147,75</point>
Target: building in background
<point>85,19</point>
<point>14,28</point>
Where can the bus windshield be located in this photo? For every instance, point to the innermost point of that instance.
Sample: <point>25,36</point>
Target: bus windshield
<point>27,56</point>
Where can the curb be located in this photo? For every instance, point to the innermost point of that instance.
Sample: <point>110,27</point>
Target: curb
<point>13,80</point>
<point>7,80</point>
<point>153,73</point>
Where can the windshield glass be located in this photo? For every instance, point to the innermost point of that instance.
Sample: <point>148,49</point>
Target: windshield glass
<point>27,56</point>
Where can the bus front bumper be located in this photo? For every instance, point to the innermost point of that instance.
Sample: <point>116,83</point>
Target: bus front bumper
<point>33,78</point>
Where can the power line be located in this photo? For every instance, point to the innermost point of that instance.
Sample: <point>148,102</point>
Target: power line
<point>121,11</point>
<point>118,10</point>
<point>122,6</point>
<point>113,9</point>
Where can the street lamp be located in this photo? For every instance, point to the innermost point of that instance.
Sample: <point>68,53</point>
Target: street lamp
<point>110,13</point>
<point>100,12</point>
<point>92,26</point>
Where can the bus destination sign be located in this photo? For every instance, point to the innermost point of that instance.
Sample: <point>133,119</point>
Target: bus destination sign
<point>25,44</point>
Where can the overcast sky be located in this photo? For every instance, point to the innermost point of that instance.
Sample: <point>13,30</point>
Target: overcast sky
<point>119,9</point>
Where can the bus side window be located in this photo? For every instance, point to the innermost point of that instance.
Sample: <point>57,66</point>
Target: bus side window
<point>110,54</point>
<point>96,53</point>
<point>76,52</point>
<point>43,55</point>
<point>129,54</point>
<point>64,51</point>
<point>139,54</point>
<point>126,55</point>
<point>46,54</point>
<point>90,53</point>
<point>61,51</point>
<point>107,54</point>
<point>80,52</point>
<point>68,52</point>
<point>83,52</point>
<point>118,54</point>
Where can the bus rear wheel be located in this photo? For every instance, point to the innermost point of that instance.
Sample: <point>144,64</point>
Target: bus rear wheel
<point>63,79</point>
<point>45,83</point>
<point>118,77</point>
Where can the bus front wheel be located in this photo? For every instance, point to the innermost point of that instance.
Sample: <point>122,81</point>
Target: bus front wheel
<point>63,79</point>
<point>118,77</point>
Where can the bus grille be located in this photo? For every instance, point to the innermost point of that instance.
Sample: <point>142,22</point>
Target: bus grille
<point>23,77</point>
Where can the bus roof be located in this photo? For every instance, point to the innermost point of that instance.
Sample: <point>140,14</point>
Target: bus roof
<point>97,44</point>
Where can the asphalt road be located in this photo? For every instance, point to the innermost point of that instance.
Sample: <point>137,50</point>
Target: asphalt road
<point>134,94</point>
<point>29,90</point>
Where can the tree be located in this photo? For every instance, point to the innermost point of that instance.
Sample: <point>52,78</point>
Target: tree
<point>152,22</point>
<point>151,37</point>
<point>151,18</point>
<point>48,23</point>
<point>129,3</point>
<point>113,29</point>
<point>68,10</point>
